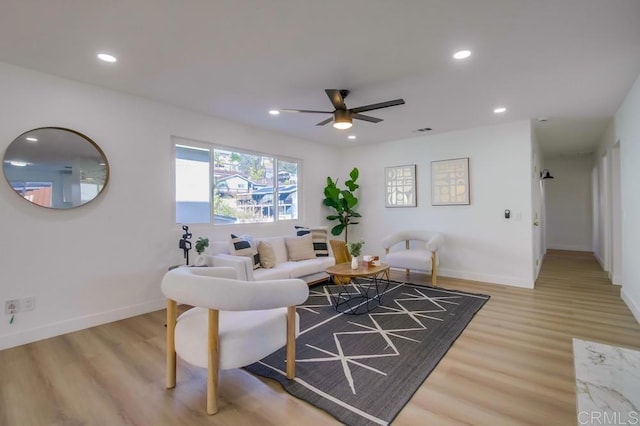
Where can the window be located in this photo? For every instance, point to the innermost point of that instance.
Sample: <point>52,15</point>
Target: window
<point>192,185</point>
<point>225,186</point>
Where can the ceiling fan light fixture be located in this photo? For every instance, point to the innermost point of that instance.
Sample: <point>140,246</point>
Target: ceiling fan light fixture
<point>342,125</point>
<point>342,120</point>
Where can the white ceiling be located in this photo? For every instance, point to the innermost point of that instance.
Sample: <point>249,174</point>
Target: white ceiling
<point>571,61</point>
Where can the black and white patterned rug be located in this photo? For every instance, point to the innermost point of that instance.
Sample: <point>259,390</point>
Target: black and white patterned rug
<point>363,369</point>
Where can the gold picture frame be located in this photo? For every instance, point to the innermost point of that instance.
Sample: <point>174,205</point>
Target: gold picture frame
<point>450,182</point>
<point>400,186</point>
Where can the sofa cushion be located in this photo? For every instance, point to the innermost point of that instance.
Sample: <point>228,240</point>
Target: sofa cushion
<point>267,255</point>
<point>241,246</point>
<point>318,237</point>
<point>300,248</point>
<point>279,248</point>
<point>301,268</point>
<point>325,262</point>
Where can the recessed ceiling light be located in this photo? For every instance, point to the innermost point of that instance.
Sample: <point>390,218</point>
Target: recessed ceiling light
<point>106,57</point>
<point>274,112</point>
<point>351,137</point>
<point>18,163</point>
<point>462,54</point>
<point>499,110</point>
<point>32,139</point>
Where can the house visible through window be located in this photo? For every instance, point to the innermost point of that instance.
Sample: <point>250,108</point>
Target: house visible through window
<point>227,186</point>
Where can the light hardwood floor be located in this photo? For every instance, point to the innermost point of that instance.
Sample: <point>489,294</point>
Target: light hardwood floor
<point>512,365</point>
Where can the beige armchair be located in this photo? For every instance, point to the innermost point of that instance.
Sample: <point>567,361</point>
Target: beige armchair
<point>414,250</point>
<point>233,323</point>
<point>342,255</point>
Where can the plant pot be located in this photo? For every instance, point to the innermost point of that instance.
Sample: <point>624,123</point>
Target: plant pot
<point>354,262</point>
<point>201,260</point>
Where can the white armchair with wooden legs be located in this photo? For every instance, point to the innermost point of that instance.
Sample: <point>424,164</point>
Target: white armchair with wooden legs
<point>414,250</point>
<point>233,323</point>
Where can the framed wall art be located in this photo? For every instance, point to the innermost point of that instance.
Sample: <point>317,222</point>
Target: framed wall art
<point>450,182</point>
<point>400,186</point>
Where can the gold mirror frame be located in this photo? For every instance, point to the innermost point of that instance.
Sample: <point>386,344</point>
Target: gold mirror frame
<point>56,167</point>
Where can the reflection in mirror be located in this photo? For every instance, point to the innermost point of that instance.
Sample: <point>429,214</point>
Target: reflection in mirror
<point>55,167</point>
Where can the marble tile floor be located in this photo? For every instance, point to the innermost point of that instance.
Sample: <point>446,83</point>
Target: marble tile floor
<point>607,384</point>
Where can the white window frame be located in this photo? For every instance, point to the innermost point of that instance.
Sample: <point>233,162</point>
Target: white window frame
<point>211,147</point>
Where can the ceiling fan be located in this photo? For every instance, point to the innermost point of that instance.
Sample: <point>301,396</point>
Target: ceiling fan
<point>343,117</point>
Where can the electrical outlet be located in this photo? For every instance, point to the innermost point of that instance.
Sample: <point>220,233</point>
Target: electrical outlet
<point>12,306</point>
<point>28,303</point>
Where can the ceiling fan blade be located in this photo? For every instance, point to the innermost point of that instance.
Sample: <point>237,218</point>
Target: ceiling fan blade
<point>377,106</point>
<point>327,121</point>
<point>366,118</point>
<point>306,110</point>
<point>336,98</point>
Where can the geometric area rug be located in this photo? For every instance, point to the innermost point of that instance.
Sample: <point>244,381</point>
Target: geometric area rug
<point>362,369</point>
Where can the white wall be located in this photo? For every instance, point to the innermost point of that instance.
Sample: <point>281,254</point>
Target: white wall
<point>616,217</point>
<point>568,203</point>
<point>104,261</point>
<point>538,208</point>
<point>627,128</point>
<point>607,204</point>
<point>480,243</point>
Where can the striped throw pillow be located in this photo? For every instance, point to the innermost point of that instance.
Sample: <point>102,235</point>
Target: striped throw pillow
<point>319,238</point>
<point>240,246</point>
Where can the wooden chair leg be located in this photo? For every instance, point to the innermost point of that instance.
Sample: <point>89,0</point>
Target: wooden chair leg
<point>434,269</point>
<point>171,343</point>
<point>213,356</point>
<point>291,342</point>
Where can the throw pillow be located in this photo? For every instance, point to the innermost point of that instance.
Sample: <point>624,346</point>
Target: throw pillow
<point>300,248</point>
<point>318,237</point>
<point>267,255</point>
<point>241,246</point>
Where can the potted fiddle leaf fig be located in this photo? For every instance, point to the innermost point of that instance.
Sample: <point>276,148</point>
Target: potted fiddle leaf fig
<point>343,201</point>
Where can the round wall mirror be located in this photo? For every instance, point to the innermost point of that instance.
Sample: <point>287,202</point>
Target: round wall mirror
<point>55,167</point>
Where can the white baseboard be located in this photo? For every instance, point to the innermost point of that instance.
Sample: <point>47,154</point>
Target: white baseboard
<point>616,279</point>
<point>571,247</point>
<point>80,323</point>
<point>486,278</point>
<point>632,304</point>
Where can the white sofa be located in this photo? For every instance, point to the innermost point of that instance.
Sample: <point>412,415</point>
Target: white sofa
<point>309,270</point>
